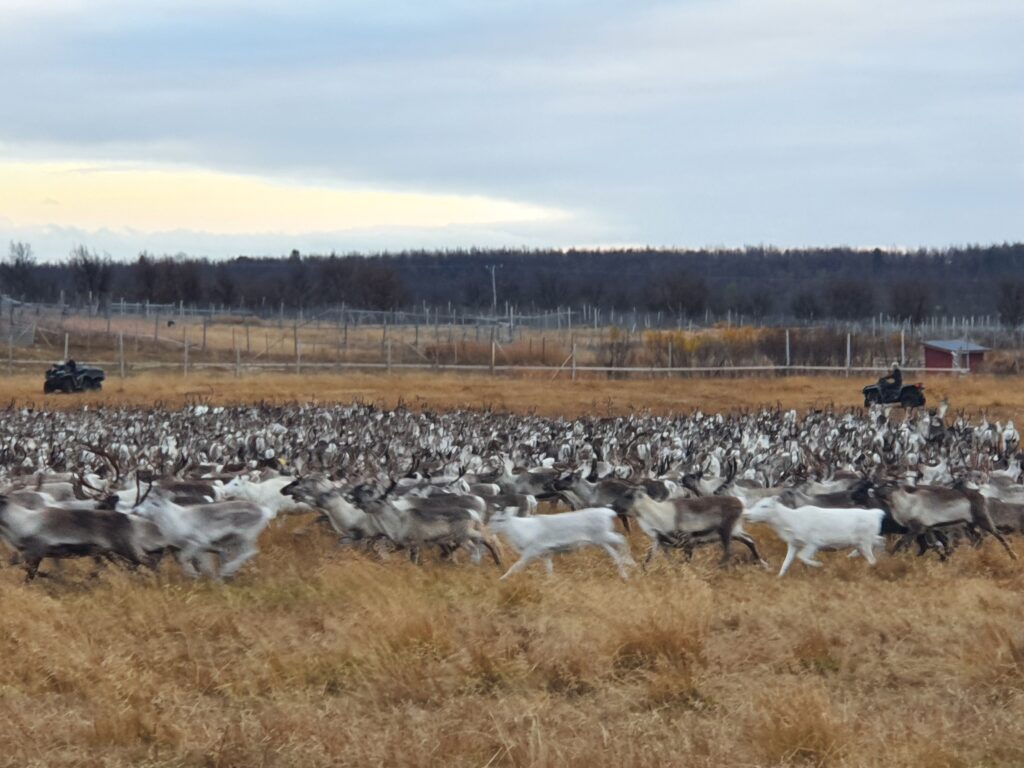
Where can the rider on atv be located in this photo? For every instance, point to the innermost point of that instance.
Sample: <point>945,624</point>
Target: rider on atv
<point>892,384</point>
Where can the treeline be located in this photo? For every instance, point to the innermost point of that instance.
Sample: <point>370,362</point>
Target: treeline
<point>756,282</point>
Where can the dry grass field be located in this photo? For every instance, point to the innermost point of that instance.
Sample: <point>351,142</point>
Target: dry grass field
<point>998,396</point>
<point>319,656</point>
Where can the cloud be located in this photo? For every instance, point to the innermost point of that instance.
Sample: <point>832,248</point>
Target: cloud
<point>705,121</point>
<point>155,199</point>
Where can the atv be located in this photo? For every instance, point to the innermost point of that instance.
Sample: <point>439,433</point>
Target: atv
<point>910,395</point>
<point>69,377</point>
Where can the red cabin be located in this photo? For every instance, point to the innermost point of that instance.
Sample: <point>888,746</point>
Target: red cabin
<point>956,355</point>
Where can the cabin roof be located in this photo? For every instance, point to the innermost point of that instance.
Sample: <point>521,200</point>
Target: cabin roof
<point>955,345</point>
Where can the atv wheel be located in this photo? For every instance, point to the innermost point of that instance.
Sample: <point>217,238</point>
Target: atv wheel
<point>67,387</point>
<point>871,398</point>
<point>911,401</point>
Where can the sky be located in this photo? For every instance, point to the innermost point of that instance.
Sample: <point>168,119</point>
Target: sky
<point>228,127</point>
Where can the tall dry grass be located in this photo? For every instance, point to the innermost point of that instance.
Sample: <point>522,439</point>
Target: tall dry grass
<point>999,397</point>
<point>320,656</point>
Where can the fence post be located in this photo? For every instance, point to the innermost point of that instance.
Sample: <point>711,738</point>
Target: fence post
<point>66,345</point>
<point>156,327</point>
<point>298,355</point>
<point>848,354</point>
<point>185,346</point>
<point>787,348</point>
<point>389,356</point>
<point>238,362</point>
<point>206,322</point>
<point>492,352</point>
<point>670,355</point>
<point>120,352</point>
<point>10,350</point>
<point>903,347</point>
<point>574,360</point>
<point>248,345</point>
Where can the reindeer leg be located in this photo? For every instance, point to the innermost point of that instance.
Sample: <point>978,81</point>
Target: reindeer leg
<point>522,562</point>
<point>986,524</point>
<point>806,555</point>
<point>493,550</point>
<point>228,569</point>
<point>651,552</point>
<point>617,558</point>
<point>867,549</point>
<point>726,536</point>
<point>750,544</point>
<point>32,566</point>
<point>790,554</point>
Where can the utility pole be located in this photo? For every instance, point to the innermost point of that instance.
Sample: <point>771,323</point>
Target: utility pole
<point>494,289</point>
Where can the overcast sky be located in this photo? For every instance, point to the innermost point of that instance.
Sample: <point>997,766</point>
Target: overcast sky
<point>255,126</point>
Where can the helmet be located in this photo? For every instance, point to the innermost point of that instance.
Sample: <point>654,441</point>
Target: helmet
<point>895,365</point>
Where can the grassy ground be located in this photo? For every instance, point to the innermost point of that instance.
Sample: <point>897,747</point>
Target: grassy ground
<point>1000,397</point>
<point>317,655</point>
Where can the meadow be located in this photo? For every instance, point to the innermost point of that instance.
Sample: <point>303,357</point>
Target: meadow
<point>318,655</point>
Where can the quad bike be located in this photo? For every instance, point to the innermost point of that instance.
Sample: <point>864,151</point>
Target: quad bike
<point>68,377</point>
<point>909,395</point>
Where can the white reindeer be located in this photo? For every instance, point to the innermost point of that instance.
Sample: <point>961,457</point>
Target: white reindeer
<point>544,535</point>
<point>808,529</point>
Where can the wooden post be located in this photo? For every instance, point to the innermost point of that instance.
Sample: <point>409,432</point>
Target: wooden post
<point>670,353</point>
<point>298,355</point>
<point>120,351</point>
<point>389,356</point>
<point>573,358</point>
<point>493,350</point>
<point>903,347</point>
<point>10,350</point>
<point>185,347</point>
<point>238,362</point>
<point>156,327</point>
<point>248,346</point>
<point>206,322</point>
<point>66,340</point>
<point>787,347</point>
<point>295,334</point>
<point>848,335</point>
<point>543,350</point>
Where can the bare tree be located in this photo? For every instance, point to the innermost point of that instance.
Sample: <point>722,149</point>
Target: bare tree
<point>1010,303</point>
<point>679,292</point>
<point>224,291</point>
<point>91,274</point>
<point>910,300</point>
<point>17,270</point>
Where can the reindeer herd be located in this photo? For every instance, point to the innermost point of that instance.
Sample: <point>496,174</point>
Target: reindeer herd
<point>201,484</point>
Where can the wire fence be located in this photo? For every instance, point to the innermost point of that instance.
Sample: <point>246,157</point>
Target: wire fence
<point>127,338</point>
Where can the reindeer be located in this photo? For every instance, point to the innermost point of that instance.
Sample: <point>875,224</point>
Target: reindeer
<point>61,533</point>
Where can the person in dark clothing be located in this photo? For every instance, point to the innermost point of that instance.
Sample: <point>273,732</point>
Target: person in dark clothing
<point>891,385</point>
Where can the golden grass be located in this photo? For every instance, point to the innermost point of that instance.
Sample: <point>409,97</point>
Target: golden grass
<point>317,655</point>
<point>1000,397</point>
<point>320,656</point>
